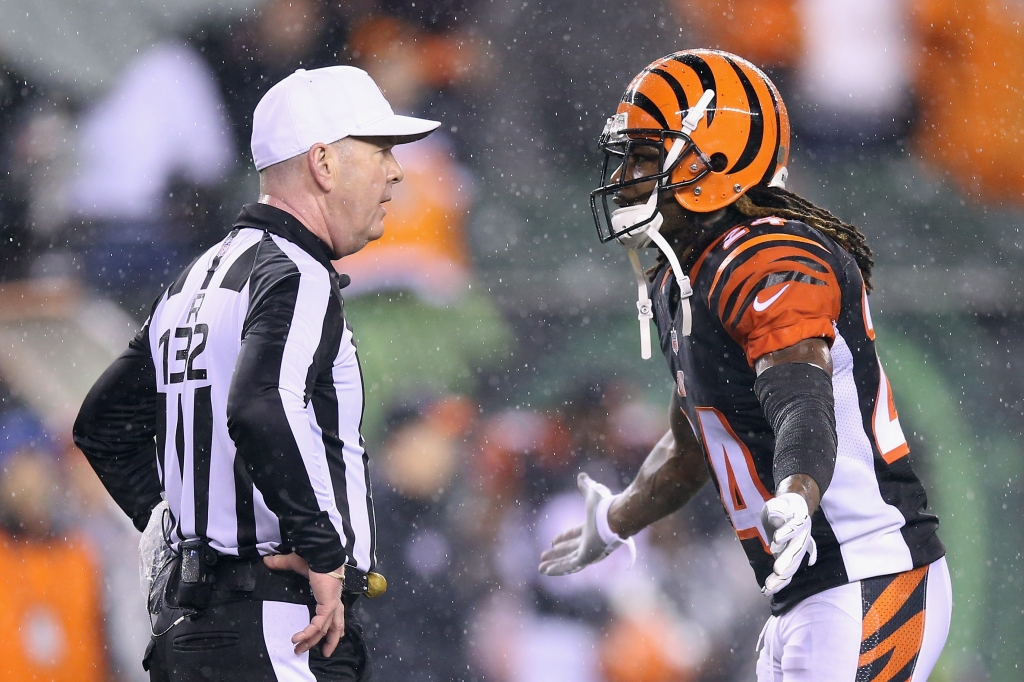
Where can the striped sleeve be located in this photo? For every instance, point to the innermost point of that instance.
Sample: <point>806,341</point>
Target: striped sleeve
<point>774,290</point>
<point>267,414</point>
<point>116,426</point>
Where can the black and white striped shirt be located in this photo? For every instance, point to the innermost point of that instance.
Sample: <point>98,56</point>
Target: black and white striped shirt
<point>241,399</point>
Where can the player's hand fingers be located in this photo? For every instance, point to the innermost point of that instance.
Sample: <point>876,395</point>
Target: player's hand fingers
<point>782,536</point>
<point>588,486</point>
<point>560,550</point>
<point>561,567</point>
<point>570,534</point>
<point>789,559</point>
<point>773,584</point>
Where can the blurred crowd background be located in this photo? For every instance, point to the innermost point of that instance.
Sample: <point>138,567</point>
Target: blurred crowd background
<point>498,337</point>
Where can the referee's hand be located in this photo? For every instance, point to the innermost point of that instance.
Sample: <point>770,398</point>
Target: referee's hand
<point>329,622</point>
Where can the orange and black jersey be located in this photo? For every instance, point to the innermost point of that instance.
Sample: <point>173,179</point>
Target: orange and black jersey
<point>762,286</point>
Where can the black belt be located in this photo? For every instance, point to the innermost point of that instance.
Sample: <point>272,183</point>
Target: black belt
<point>253,576</point>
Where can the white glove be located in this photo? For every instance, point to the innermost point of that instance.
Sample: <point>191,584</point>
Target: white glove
<point>787,523</point>
<point>587,543</point>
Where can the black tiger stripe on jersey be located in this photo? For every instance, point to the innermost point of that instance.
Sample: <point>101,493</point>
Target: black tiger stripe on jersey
<point>750,274</point>
<point>770,255</point>
<point>749,246</point>
<point>734,315</point>
<point>731,313</point>
<point>806,261</point>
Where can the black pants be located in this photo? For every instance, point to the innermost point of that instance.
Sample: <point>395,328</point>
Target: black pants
<point>247,639</point>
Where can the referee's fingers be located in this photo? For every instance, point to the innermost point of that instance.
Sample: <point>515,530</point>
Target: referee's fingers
<point>310,635</point>
<point>336,632</point>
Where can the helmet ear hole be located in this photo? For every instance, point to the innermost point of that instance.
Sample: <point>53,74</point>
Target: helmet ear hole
<point>719,162</point>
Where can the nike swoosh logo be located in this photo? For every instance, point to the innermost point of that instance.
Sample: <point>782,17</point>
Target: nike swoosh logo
<point>759,306</point>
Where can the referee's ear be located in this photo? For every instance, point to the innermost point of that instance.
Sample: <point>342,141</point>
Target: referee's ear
<point>320,159</point>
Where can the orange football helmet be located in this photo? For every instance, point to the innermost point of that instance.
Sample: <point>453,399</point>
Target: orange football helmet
<point>715,121</point>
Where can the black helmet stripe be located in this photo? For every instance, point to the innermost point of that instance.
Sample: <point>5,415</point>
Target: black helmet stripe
<point>773,166</point>
<point>676,88</point>
<point>706,76</point>
<point>644,102</point>
<point>756,136</point>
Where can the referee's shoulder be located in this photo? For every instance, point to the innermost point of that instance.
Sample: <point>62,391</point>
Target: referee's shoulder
<point>280,259</point>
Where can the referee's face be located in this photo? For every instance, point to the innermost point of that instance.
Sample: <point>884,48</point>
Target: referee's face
<point>364,176</point>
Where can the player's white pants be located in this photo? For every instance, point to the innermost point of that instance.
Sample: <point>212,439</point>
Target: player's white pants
<point>890,628</point>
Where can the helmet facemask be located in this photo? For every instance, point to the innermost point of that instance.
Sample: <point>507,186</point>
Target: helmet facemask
<point>628,225</point>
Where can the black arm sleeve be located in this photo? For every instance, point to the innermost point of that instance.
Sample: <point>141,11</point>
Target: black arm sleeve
<point>798,402</point>
<point>259,402</point>
<point>116,426</point>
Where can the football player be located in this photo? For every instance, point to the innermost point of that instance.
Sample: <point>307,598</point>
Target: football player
<point>760,301</point>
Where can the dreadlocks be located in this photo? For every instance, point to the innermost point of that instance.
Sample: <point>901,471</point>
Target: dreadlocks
<point>761,201</point>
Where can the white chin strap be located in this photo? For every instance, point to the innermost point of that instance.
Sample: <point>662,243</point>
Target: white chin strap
<point>643,301</point>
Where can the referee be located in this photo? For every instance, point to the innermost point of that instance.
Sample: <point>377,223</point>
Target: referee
<point>239,403</point>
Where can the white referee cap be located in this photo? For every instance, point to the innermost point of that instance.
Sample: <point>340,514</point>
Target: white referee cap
<point>325,105</point>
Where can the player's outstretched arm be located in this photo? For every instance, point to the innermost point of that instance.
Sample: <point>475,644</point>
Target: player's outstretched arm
<point>670,476</point>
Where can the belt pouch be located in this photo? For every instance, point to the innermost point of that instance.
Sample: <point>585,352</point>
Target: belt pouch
<point>191,581</point>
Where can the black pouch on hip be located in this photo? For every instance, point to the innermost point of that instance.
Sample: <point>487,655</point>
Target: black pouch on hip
<point>191,582</point>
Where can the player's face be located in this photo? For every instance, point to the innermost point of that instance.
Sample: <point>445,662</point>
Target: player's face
<point>643,160</point>
<point>363,177</point>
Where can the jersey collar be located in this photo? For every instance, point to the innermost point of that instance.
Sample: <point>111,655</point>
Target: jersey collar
<point>283,224</point>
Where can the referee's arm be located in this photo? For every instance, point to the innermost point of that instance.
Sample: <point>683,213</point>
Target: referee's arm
<point>268,422</point>
<point>116,426</point>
